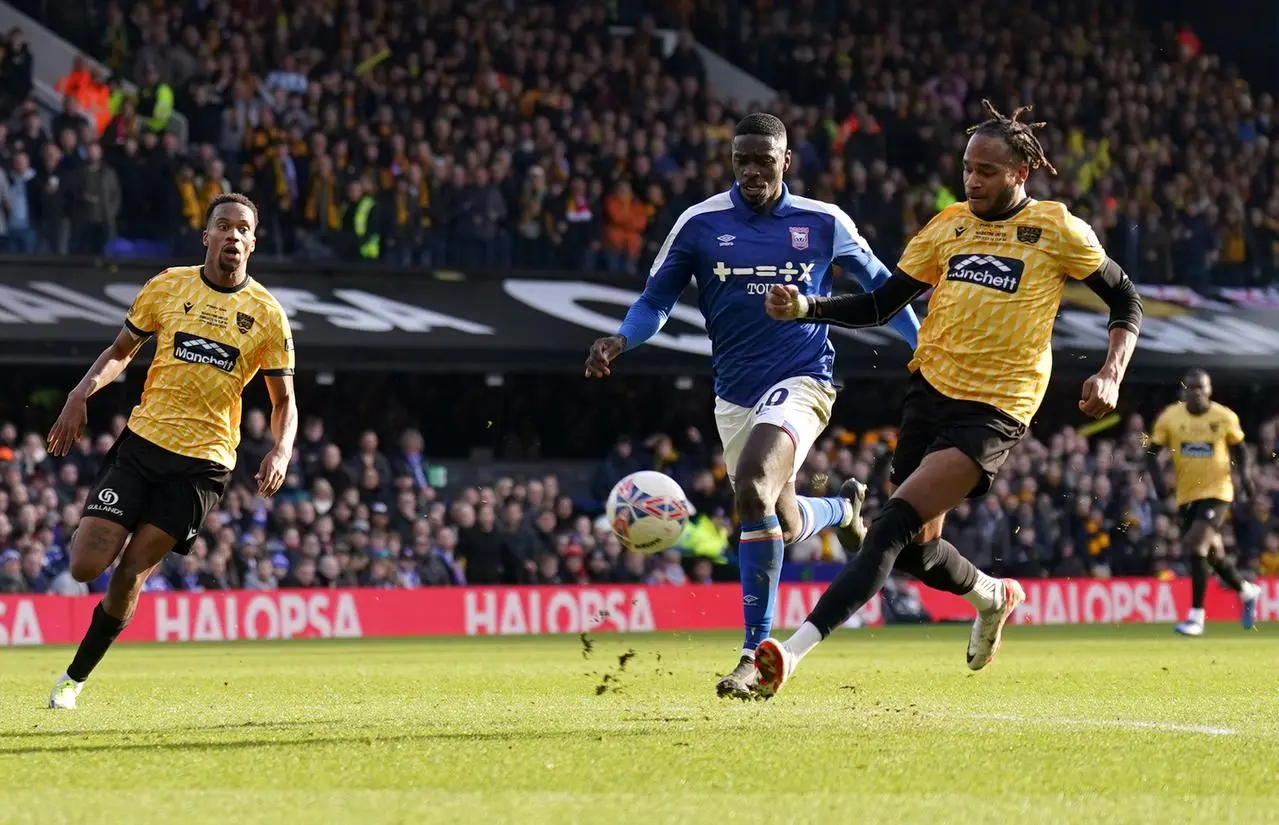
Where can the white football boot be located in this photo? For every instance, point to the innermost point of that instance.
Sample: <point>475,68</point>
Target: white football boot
<point>65,692</point>
<point>988,627</point>
<point>1189,628</point>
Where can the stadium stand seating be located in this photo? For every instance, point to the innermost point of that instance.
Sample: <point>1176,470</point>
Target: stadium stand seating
<point>377,514</point>
<point>470,135</point>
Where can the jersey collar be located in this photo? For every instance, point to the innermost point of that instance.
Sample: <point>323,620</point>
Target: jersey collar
<point>226,290</point>
<point>783,207</point>
<point>1011,212</point>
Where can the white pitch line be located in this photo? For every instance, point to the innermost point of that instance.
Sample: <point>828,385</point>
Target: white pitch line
<point>1129,724</point>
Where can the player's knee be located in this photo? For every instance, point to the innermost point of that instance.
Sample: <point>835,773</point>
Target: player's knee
<point>93,548</point>
<point>85,569</point>
<point>752,498</point>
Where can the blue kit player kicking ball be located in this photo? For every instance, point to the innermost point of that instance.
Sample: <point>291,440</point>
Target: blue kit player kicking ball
<point>773,380</point>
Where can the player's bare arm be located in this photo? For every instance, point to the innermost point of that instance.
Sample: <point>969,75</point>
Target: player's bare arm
<point>284,428</point>
<point>108,366</point>
<point>1243,460</point>
<point>1100,393</point>
<point>1155,470</point>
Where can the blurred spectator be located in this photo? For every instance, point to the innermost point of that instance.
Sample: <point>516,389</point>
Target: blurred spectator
<point>93,191</point>
<point>1063,506</point>
<point>625,219</point>
<point>16,70</point>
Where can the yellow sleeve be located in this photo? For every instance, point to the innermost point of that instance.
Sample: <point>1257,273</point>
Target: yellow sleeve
<point>143,318</point>
<point>920,259</point>
<point>277,352</point>
<point>1078,249</point>
<point>1159,436</point>
<point>1234,430</point>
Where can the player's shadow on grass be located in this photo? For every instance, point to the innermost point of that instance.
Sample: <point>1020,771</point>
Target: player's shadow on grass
<point>43,734</point>
<point>70,747</point>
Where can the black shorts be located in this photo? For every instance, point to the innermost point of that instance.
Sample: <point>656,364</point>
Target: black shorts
<point>1212,510</point>
<point>932,421</point>
<point>143,483</point>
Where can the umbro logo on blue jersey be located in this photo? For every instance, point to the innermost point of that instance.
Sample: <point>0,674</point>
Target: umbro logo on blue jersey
<point>726,240</point>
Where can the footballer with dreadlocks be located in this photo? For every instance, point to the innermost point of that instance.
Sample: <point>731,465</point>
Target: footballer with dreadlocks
<point>997,265</point>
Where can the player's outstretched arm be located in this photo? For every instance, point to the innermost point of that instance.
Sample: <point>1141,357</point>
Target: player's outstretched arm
<point>284,428</point>
<point>108,366</point>
<point>868,309</point>
<point>859,260</point>
<point>1109,282</point>
<point>671,272</point>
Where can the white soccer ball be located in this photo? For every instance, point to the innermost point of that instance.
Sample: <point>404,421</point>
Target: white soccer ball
<point>647,511</point>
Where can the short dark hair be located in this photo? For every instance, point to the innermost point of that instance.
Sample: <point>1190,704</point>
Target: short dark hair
<point>1196,372</point>
<point>762,123</point>
<point>230,197</point>
<point>1018,134</point>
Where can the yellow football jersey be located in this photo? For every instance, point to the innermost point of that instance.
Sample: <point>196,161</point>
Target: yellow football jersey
<point>210,342</point>
<point>997,291</point>
<point>1200,446</point>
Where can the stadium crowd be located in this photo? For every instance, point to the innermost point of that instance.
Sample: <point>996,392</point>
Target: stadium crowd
<point>375,514</point>
<point>529,135</point>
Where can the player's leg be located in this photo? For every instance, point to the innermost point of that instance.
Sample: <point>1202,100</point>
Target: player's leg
<point>1196,541</point>
<point>734,423</point>
<point>800,408</point>
<point>971,446</point>
<point>803,517</point>
<point>929,558</point>
<point>1224,567</point>
<point>781,430</point>
<point>943,479</point>
<point>171,512</point>
<point>760,473</point>
<point>146,548</point>
<point>110,513</point>
<point>95,545</point>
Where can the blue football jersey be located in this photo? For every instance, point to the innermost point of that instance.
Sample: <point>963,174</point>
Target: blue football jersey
<point>736,255</point>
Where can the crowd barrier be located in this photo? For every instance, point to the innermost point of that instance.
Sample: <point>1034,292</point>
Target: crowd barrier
<point>482,611</point>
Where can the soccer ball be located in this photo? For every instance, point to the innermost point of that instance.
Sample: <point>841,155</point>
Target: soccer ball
<point>647,511</point>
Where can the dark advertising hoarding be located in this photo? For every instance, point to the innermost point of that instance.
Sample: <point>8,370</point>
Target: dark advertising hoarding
<point>400,320</point>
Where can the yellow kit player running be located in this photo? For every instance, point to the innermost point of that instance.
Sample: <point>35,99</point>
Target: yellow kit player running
<point>214,329</point>
<point>1202,436</point>
<point>997,265</point>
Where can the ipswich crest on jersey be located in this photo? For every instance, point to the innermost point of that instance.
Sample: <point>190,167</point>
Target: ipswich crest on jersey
<point>799,237</point>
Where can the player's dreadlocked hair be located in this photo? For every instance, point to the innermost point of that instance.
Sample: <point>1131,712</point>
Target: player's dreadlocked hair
<point>1019,135</point>
<point>762,123</point>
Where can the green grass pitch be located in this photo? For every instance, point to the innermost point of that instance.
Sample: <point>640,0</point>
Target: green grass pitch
<point>1091,725</point>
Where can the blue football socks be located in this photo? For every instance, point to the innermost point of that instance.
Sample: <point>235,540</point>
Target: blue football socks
<point>816,514</point>
<point>760,554</point>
